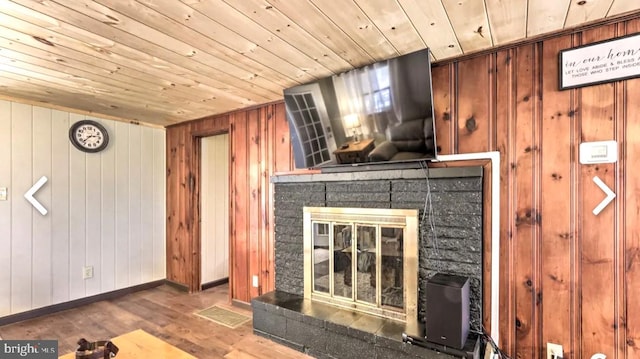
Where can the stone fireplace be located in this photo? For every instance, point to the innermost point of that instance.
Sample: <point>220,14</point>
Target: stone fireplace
<point>445,206</point>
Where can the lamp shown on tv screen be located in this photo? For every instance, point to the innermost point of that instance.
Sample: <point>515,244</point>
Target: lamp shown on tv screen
<point>381,112</point>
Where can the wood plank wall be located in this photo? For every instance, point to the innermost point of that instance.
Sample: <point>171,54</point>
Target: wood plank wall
<point>567,276</point>
<point>260,147</point>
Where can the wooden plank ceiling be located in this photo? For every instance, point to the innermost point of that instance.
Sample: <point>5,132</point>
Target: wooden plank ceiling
<point>161,62</point>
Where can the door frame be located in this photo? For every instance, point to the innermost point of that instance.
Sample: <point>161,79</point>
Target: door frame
<point>195,177</point>
<point>199,219</point>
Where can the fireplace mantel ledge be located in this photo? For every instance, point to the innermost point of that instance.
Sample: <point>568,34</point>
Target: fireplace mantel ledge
<point>448,172</point>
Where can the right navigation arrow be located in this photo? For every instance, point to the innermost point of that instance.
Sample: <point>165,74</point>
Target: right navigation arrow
<point>607,191</point>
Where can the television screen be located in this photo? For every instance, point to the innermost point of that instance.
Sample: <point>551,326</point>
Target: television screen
<point>382,112</point>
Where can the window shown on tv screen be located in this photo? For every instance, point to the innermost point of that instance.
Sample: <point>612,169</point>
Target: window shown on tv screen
<point>382,112</point>
<point>309,128</point>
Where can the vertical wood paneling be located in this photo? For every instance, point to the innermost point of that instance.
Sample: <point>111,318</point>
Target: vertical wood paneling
<point>505,127</point>
<point>193,211</point>
<point>159,220</point>
<point>60,219</point>
<point>282,152</point>
<point>558,224</point>
<point>121,149</point>
<point>43,256</point>
<point>526,217</point>
<point>241,202</point>
<point>254,218</point>
<point>135,205</point>
<point>5,208</point>
<point>93,220</point>
<point>188,222</point>
<point>551,197</point>
<point>41,252</point>
<point>266,236</point>
<point>597,268</point>
<point>629,163</point>
<point>263,191</point>
<point>21,211</point>
<point>281,159</point>
<point>146,204</point>
<point>620,345</point>
<point>108,212</point>
<point>77,218</point>
<point>175,202</point>
<point>472,102</point>
<point>442,109</point>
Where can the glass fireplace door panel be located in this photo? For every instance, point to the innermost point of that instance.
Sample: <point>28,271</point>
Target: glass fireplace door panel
<point>366,263</point>
<point>342,258</point>
<point>321,257</point>
<point>392,265</point>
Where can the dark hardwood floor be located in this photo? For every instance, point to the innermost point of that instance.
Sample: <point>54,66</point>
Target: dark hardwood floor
<point>164,312</point>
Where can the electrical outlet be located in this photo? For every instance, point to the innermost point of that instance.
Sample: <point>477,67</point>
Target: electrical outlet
<point>255,281</point>
<point>554,351</point>
<point>87,272</point>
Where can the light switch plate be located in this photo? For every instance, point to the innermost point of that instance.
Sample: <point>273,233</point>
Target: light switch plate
<point>3,193</point>
<point>598,152</point>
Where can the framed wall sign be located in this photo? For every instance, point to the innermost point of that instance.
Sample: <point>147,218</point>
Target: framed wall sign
<point>600,62</point>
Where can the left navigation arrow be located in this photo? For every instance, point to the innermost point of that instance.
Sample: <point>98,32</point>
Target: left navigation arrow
<point>29,195</point>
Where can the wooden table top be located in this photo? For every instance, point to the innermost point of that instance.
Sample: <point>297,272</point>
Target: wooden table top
<point>139,344</point>
<point>355,147</point>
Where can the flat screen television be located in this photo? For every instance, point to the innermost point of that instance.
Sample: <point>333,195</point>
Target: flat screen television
<point>379,113</point>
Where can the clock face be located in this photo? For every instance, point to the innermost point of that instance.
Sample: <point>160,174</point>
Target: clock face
<point>88,136</point>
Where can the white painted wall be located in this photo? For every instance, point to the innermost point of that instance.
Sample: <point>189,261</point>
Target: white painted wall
<point>214,208</point>
<point>106,209</point>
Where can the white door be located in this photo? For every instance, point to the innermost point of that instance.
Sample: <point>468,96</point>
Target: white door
<point>214,208</point>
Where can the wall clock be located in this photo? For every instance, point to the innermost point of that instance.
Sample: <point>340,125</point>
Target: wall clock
<point>89,136</point>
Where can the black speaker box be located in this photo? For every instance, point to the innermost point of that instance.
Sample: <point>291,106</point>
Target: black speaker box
<point>447,312</point>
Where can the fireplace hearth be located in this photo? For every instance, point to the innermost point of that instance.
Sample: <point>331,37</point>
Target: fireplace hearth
<point>448,203</point>
<point>325,331</point>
